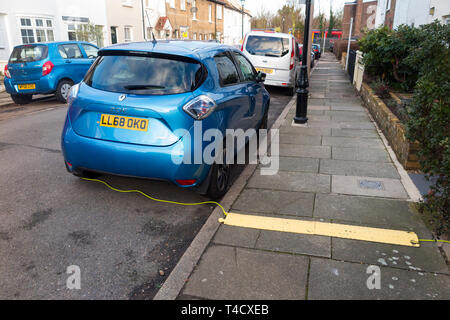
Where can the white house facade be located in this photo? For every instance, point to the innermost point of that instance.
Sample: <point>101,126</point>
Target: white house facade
<point>29,21</point>
<point>232,23</point>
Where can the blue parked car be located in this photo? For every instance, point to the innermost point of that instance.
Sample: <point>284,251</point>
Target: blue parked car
<point>46,68</point>
<point>125,117</point>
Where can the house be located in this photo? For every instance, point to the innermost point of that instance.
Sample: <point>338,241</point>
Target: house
<point>233,26</point>
<point>156,21</point>
<point>393,13</point>
<point>125,21</point>
<point>30,21</point>
<point>363,13</point>
<point>195,19</point>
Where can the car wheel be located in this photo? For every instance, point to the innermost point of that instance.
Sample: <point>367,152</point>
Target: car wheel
<point>220,179</point>
<point>63,89</point>
<point>22,98</point>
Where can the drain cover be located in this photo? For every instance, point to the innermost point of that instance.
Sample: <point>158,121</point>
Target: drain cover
<point>370,184</point>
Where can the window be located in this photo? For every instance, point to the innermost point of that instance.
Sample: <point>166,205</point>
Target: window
<point>113,35</point>
<point>219,12</point>
<point>194,14</point>
<point>71,31</point>
<point>228,74</point>
<point>36,30</point>
<point>70,51</point>
<point>144,75</point>
<point>27,36</point>
<point>195,36</point>
<point>248,72</point>
<point>388,5</point>
<point>183,5</point>
<point>127,3</point>
<point>29,53</point>
<point>171,3</point>
<point>267,46</point>
<point>210,13</point>
<point>90,50</point>
<point>127,34</point>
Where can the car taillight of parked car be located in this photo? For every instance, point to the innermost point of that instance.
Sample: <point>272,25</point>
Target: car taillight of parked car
<point>6,72</point>
<point>243,41</point>
<point>47,68</point>
<point>292,55</point>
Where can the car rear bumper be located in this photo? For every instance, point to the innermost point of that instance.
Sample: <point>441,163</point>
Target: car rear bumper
<point>127,159</point>
<point>280,78</point>
<point>46,84</point>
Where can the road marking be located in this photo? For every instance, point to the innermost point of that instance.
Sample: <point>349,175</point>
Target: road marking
<point>397,237</point>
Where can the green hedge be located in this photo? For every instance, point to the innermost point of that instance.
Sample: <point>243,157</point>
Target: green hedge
<point>418,60</point>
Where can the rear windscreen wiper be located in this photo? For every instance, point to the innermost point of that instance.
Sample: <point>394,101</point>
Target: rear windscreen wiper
<point>143,87</point>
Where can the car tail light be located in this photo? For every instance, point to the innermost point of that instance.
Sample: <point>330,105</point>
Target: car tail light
<point>47,68</point>
<point>292,55</point>
<point>189,182</point>
<point>243,41</point>
<point>6,72</point>
<point>200,107</point>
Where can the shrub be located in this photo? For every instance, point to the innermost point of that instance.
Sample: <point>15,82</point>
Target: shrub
<point>385,53</point>
<point>429,118</point>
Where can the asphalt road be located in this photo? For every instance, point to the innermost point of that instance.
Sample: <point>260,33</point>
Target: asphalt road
<point>51,220</point>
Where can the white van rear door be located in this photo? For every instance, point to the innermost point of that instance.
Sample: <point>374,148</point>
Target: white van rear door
<point>269,53</point>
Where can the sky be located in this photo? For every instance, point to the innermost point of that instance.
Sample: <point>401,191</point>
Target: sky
<point>273,5</point>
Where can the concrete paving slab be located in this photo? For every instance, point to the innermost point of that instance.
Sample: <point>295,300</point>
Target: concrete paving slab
<point>291,181</point>
<point>236,236</point>
<point>394,213</point>
<point>297,164</point>
<point>330,279</point>
<point>352,133</point>
<point>227,273</point>
<point>287,128</point>
<point>299,139</point>
<point>356,108</point>
<point>299,204</point>
<point>360,154</point>
<point>356,125</point>
<point>353,142</point>
<point>426,258</point>
<point>352,118</point>
<point>292,150</point>
<point>294,243</point>
<point>389,188</point>
<point>359,168</point>
<point>324,124</point>
<point>317,107</point>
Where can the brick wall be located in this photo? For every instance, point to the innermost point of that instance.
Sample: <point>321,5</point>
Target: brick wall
<point>392,128</point>
<point>199,28</point>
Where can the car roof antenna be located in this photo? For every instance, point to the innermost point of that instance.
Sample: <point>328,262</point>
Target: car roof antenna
<point>154,39</point>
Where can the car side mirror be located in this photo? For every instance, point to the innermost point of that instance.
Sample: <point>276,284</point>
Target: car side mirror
<point>260,77</point>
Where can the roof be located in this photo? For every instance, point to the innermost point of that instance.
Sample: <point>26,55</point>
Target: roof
<point>161,23</point>
<point>186,48</point>
<point>234,5</point>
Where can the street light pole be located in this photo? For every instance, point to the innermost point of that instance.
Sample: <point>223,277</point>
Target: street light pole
<point>242,7</point>
<point>303,83</point>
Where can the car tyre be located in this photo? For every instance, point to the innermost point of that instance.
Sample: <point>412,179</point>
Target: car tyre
<point>62,90</point>
<point>22,98</point>
<point>220,179</point>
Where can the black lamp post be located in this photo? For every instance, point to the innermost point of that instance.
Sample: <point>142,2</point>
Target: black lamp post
<point>242,6</point>
<point>303,83</point>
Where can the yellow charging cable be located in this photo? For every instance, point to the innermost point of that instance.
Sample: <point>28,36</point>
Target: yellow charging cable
<point>158,200</point>
<point>197,203</point>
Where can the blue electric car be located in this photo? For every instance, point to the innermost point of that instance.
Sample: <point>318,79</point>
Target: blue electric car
<point>47,68</point>
<point>140,103</point>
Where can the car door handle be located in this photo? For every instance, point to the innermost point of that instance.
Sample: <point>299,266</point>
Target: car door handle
<point>68,61</point>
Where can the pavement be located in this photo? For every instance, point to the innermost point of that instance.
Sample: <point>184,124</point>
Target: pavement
<point>336,169</point>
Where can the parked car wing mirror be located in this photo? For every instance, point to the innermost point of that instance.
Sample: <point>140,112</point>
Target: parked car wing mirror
<point>260,77</point>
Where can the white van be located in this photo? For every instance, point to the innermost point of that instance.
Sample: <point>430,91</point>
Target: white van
<point>275,54</point>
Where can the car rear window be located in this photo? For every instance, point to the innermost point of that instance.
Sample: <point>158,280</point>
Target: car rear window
<point>267,46</point>
<point>144,75</point>
<point>28,53</point>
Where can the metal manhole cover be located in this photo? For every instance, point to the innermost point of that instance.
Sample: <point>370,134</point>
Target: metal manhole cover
<point>371,184</point>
